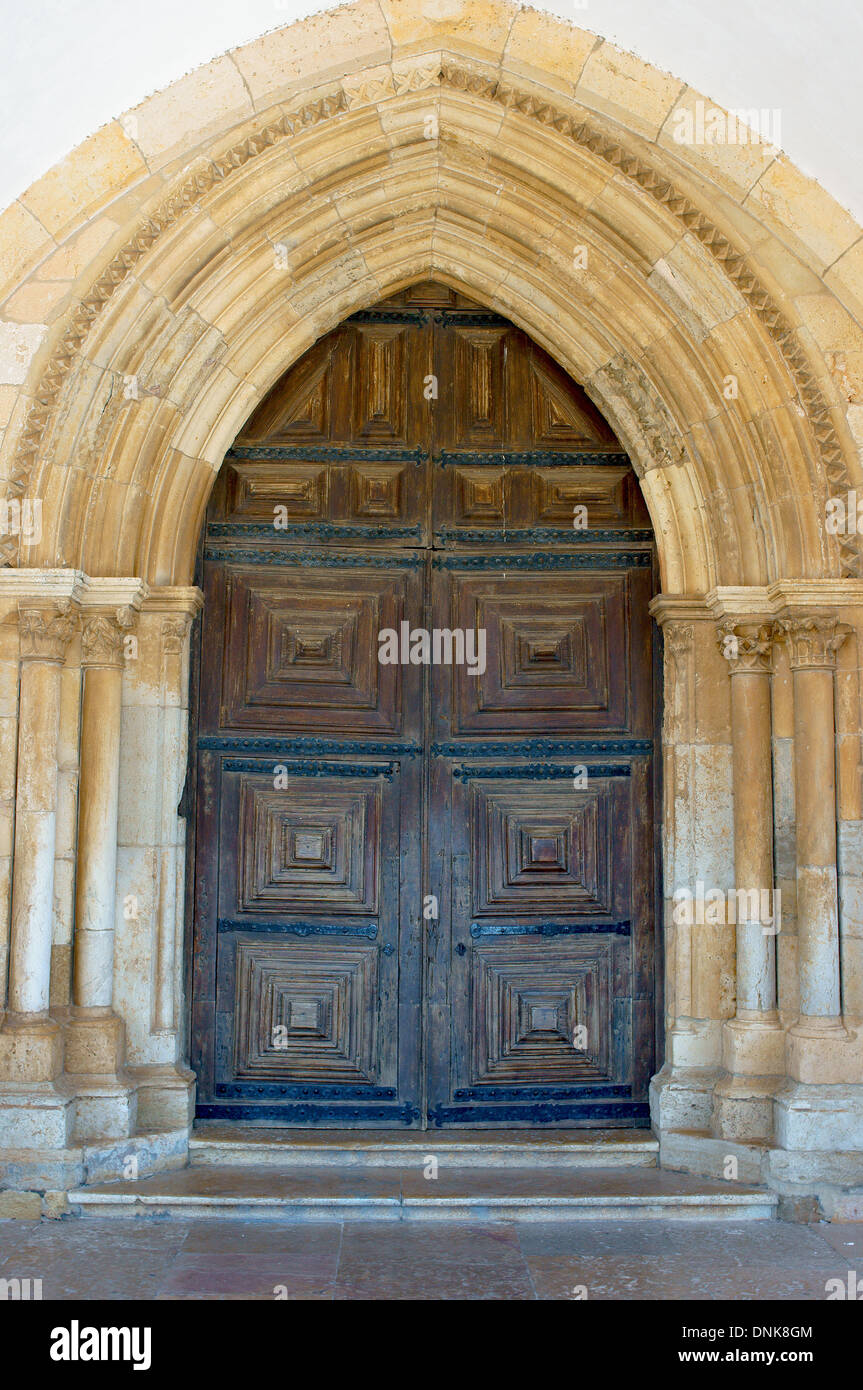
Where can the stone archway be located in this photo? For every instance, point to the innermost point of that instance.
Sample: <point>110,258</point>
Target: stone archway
<point>707,298</point>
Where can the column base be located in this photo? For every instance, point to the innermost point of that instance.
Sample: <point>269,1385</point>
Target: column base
<point>821,1051</point>
<point>49,1170</point>
<point>31,1049</point>
<point>819,1118</point>
<point>753,1046</point>
<point>743,1108</point>
<point>682,1098</point>
<point>94,1044</point>
<point>166,1095</point>
<point>695,1042</point>
<point>34,1114</point>
<point>105,1108</point>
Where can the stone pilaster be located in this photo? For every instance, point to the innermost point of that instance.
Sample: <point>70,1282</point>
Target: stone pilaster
<point>151,856</point>
<point>753,1041</point>
<point>697,850</point>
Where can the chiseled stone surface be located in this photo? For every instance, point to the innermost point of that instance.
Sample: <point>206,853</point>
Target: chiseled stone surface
<point>263,1260</point>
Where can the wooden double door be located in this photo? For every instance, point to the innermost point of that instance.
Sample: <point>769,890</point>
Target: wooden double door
<point>424,888</point>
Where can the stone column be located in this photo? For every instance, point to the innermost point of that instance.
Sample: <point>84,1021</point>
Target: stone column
<point>753,1041</point>
<point>94,1038</point>
<point>813,641</point>
<point>30,1044</point>
<point>45,636</point>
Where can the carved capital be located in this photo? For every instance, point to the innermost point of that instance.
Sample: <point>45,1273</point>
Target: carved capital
<point>103,634</point>
<point>679,642</point>
<point>174,632</point>
<point>747,646</point>
<point>813,640</point>
<point>46,630</point>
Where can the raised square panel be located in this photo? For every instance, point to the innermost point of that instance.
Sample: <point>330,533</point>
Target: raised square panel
<point>541,1010</point>
<point>541,848</point>
<point>303,652</point>
<point>377,490</point>
<point>303,1013</point>
<point>479,496</point>
<point>556,654</point>
<point>308,847</point>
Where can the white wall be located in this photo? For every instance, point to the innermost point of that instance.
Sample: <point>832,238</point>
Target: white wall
<point>68,66</point>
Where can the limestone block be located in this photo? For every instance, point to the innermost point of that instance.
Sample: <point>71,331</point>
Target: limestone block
<point>86,181</point>
<point>845,278</point>
<point>546,51</point>
<point>734,164</point>
<point>345,40</point>
<point>55,1205</point>
<point>478,28</point>
<point>20,1206</point>
<point>19,343</point>
<point>23,240</point>
<point>75,255</point>
<point>691,283</point>
<point>820,229</point>
<point>209,100</point>
<point>819,1118</point>
<point>619,85</point>
<point>36,302</point>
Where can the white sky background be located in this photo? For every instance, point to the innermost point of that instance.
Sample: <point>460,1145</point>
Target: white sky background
<point>69,66</point>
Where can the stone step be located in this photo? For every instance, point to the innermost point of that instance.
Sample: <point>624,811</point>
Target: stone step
<point>403,1193</point>
<point>242,1145</point>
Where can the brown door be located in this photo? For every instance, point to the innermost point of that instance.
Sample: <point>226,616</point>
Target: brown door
<point>424,856</point>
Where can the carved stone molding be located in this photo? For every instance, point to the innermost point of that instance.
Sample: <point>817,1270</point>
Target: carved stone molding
<point>174,631</point>
<point>747,646</point>
<point>622,380</point>
<point>103,634</point>
<point>46,631</point>
<point>679,642</point>
<point>493,88</point>
<point>813,640</point>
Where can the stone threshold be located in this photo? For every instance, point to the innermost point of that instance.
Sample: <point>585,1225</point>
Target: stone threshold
<point>217,1143</point>
<point>404,1193</point>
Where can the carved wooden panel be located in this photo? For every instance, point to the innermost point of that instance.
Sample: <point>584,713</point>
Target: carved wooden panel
<point>314,845</point>
<point>479,386</point>
<point>556,651</point>
<point>301,649</point>
<point>303,1014</point>
<point>542,1011</point>
<point>255,490</point>
<point>541,849</point>
<point>560,416</point>
<point>380,383</point>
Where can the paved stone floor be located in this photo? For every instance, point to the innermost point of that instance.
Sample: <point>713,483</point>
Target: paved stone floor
<point>215,1259</point>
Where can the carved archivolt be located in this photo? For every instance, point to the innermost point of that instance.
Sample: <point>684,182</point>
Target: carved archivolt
<point>350,95</point>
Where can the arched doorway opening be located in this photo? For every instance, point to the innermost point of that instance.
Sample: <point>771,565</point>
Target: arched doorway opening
<point>425,872</point>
